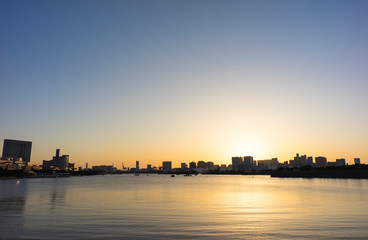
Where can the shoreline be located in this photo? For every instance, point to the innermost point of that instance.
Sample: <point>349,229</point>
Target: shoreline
<point>273,175</point>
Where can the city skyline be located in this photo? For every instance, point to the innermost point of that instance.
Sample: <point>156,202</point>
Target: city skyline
<point>181,81</point>
<point>14,150</point>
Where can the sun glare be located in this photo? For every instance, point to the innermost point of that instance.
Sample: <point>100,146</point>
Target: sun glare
<point>250,146</point>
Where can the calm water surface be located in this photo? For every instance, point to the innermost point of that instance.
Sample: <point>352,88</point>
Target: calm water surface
<point>197,207</point>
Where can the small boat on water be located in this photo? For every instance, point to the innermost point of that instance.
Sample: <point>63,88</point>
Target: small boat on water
<point>137,174</point>
<point>187,175</point>
<point>172,175</point>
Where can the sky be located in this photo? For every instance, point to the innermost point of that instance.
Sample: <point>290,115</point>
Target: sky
<point>152,81</point>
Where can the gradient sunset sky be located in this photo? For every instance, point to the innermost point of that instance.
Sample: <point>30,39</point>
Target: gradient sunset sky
<point>121,81</point>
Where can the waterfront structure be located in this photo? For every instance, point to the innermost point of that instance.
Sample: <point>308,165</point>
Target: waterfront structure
<point>223,168</point>
<point>356,161</point>
<point>340,162</point>
<point>310,161</point>
<point>104,168</point>
<point>30,166</point>
<point>303,160</point>
<point>321,161</point>
<point>237,163</point>
<point>8,164</point>
<point>271,164</point>
<point>166,166</point>
<point>202,164</point>
<point>331,164</point>
<point>248,162</point>
<point>17,150</point>
<point>296,162</point>
<point>192,165</point>
<point>285,164</point>
<point>210,165</point>
<point>58,162</point>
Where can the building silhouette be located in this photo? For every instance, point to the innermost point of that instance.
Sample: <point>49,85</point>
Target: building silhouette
<point>137,165</point>
<point>192,165</point>
<point>296,162</point>
<point>104,168</point>
<point>340,162</point>
<point>202,164</point>
<point>271,164</point>
<point>310,161</point>
<point>237,163</point>
<point>356,161</point>
<point>210,165</point>
<point>321,161</point>
<point>17,150</point>
<point>248,162</point>
<point>303,160</point>
<point>166,166</point>
<point>58,162</point>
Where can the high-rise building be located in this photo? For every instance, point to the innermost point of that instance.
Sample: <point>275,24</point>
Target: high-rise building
<point>310,161</point>
<point>210,165</point>
<point>184,166</point>
<point>248,162</point>
<point>137,165</point>
<point>356,161</point>
<point>166,166</point>
<point>192,165</point>
<point>202,164</point>
<point>268,164</point>
<point>16,150</point>
<point>237,163</point>
<point>321,161</point>
<point>303,160</point>
<point>149,166</point>
<point>296,162</point>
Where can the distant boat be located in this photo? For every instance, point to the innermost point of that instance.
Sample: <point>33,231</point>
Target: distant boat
<point>187,175</point>
<point>172,175</point>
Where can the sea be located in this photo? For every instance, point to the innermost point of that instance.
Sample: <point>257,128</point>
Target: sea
<point>152,206</point>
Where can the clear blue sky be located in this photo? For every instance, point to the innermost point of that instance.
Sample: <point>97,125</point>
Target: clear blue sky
<point>120,81</point>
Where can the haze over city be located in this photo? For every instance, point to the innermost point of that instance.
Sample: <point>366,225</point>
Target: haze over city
<point>152,81</point>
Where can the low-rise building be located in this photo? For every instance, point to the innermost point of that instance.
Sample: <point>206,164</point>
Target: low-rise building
<point>11,164</point>
<point>104,168</point>
<point>340,162</point>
